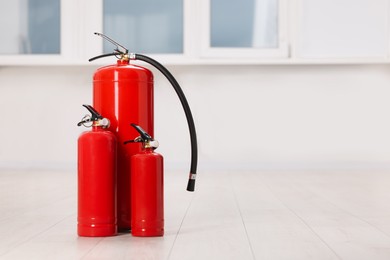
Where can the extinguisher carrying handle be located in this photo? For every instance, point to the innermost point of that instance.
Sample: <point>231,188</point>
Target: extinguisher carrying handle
<point>187,111</point>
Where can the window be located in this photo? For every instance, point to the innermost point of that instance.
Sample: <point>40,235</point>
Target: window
<point>244,23</point>
<point>148,26</point>
<point>247,28</point>
<point>30,27</point>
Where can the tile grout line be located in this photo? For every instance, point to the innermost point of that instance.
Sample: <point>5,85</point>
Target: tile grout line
<point>181,224</point>
<point>92,248</point>
<point>48,204</point>
<point>36,235</point>
<point>303,221</point>
<point>351,214</point>
<point>242,218</point>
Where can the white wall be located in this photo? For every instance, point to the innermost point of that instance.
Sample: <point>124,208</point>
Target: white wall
<point>277,116</point>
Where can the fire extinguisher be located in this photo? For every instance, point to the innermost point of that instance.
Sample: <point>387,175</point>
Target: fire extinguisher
<point>147,188</point>
<point>124,93</point>
<point>96,214</point>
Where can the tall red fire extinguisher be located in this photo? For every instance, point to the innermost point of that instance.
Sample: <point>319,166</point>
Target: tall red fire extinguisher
<point>96,214</point>
<point>124,94</point>
<point>147,188</point>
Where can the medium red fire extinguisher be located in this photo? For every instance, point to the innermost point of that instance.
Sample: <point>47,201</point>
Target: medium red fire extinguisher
<point>147,188</point>
<point>96,214</point>
<point>124,93</point>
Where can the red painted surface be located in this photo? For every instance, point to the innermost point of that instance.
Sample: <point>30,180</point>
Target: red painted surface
<point>96,214</point>
<point>147,194</point>
<point>123,93</point>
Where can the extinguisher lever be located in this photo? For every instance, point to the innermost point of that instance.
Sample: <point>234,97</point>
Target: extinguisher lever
<point>144,138</point>
<point>144,135</point>
<point>95,115</point>
<point>95,118</point>
<point>120,50</point>
<point>123,51</point>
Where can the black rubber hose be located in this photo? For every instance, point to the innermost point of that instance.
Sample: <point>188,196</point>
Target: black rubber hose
<point>104,55</point>
<point>187,111</point>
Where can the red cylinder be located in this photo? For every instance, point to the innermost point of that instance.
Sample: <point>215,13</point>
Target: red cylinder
<point>147,194</point>
<point>123,93</point>
<point>96,214</point>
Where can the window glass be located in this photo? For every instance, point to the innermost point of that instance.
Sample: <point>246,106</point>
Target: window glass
<point>244,23</point>
<point>30,27</point>
<point>147,26</point>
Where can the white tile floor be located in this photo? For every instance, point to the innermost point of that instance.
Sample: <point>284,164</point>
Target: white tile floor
<point>237,215</point>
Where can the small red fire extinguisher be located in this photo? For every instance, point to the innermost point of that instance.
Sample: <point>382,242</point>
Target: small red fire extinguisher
<point>147,188</point>
<point>96,215</point>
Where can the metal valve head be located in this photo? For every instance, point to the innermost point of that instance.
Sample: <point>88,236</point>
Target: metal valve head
<point>144,138</point>
<point>95,118</point>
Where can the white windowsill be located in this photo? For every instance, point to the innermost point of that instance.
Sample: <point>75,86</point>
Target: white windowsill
<point>58,60</point>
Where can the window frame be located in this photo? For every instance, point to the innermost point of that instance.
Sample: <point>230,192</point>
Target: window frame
<point>79,19</point>
<point>249,53</point>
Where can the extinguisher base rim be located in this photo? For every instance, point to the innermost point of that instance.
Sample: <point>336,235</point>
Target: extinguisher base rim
<point>147,233</point>
<point>96,231</point>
